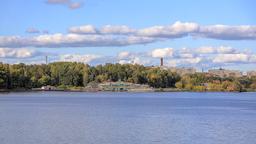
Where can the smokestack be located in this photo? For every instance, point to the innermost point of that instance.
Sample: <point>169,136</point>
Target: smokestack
<point>162,61</point>
<point>46,60</point>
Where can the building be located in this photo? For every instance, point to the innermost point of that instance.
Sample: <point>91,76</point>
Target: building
<point>225,73</point>
<point>48,88</point>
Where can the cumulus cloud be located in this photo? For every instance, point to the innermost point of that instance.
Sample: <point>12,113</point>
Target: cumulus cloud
<point>70,4</point>
<point>185,57</point>
<point>228,58</point>
<point>164,52</point>
<point>176,30</point>
<point>136,60</point>
<point>72,40</point>
<point>124,55</point>
<point>184,61</point>
<point>17,53</point>
<point>86,29</point>
<point>87,58</point>
<point>214,50</point>
<point>182,29</point>
<point>89,36</point>
<point>107,29</point>
<point>119,29</point>
<point>221,55</point>
<point>225,32</point>
<point>189,57</point>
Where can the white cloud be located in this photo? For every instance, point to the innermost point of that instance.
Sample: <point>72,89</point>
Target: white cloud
<point>184,61</point>
<point>86,29</point>
<point>124,55</point>
<point>214,50</point>
<point>186,55</point>
<point>225,50</point>
<point>140,61</point>
<point>16,53</point>
<point>87,58</point>
<point>164,52</point>
<point>176,30</point>
<point>122,29</point>
<point>226,32</point>
<point>205,50</point>
<point>136,60</point>
<point>231,58</point>
<point>71,40</point>
<point>124,62</point>
<point>89,36</point>
<point>183,29</point>
<point>107,29</point>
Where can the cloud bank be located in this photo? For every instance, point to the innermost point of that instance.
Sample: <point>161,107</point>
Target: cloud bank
<point>19,53</point>
<point>176,30</point>
<point>122,35</point>
<point>205,56</point>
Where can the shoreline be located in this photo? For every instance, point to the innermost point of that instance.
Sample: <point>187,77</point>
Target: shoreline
<point>136,91</point>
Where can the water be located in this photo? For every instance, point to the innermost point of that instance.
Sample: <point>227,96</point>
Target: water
<point>127,118</point>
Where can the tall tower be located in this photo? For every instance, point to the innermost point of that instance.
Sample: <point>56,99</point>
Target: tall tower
<point>161,61</point>
<point>46,60</point>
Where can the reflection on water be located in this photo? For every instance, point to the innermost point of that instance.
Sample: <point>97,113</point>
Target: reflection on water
<point>127,118</point>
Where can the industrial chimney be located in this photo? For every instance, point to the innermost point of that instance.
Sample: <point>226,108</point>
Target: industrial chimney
<point>46,60</point>
<point>162,61</point>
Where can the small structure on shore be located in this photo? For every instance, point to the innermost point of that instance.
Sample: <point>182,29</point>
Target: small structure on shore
<point>123,86</point>
<point>115,86</point>
<point>92,87</point>
<point>48,88</point>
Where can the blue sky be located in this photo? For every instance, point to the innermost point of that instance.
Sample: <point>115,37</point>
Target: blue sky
<point>56,16</point>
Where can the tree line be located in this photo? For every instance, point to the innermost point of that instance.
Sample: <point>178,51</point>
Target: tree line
<point>75,74</point>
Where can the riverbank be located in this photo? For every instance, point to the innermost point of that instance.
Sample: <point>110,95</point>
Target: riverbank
<point>81,89</point>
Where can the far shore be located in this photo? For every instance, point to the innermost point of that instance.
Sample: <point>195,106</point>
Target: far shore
<point>79,90</point>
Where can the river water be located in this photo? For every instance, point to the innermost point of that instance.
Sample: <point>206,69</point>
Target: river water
<point>127,118</point>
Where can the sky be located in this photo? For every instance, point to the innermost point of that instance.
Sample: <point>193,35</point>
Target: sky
<point>199,33</point>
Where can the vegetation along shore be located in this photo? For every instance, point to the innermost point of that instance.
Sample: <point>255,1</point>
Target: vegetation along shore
<point>73,76</point>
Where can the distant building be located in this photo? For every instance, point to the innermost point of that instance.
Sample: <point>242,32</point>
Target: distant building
<point>48,88</point>
<point>251,73</point>
<point>225,73</point>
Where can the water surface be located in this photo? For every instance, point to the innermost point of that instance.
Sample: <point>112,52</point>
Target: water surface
<point>127,118</point>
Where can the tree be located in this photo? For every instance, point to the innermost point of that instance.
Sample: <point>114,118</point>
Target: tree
<point>44,80</point>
